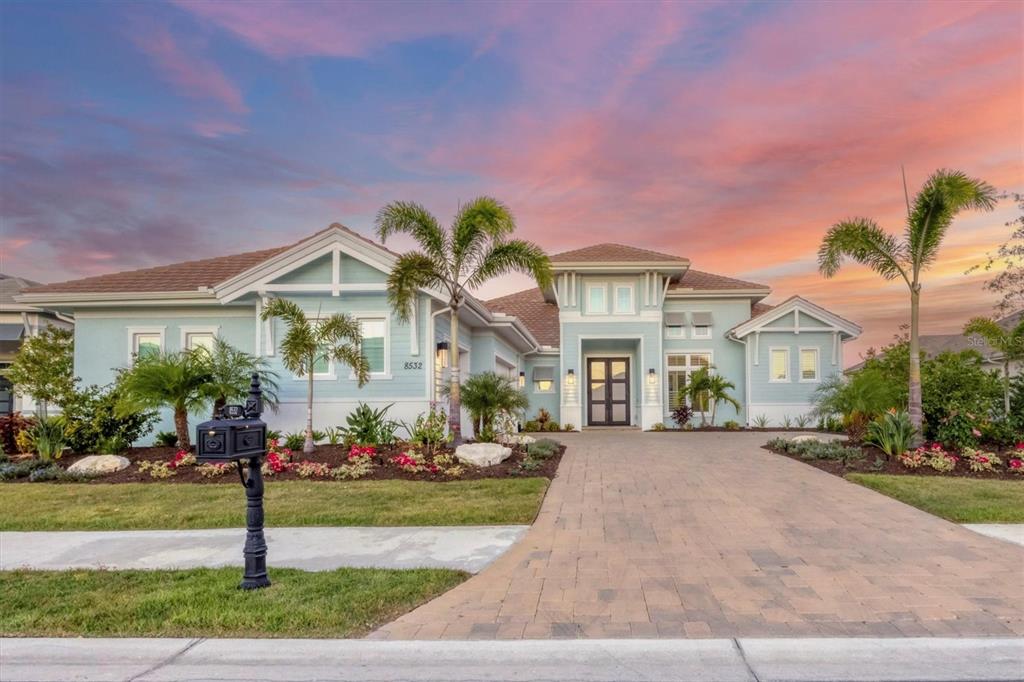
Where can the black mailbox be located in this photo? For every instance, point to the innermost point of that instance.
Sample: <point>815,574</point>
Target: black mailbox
<point>236,432</point>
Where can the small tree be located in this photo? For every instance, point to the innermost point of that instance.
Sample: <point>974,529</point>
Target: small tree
<point>1008,260</point>
<point>231,371</point>
<point>44,367</point>
<point>174,380</point>
<point>1009,343</point>
<point>488,394</point>
<point>718,388</point>
<point>306,342</point>
<point>697,390</point>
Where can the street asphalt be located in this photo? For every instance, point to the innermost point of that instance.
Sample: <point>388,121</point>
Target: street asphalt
<point>721,660</point>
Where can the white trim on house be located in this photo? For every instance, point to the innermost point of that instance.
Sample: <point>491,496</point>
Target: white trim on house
<point>796,303</point>
<point>817,365</point>
<point>186,330</point>
<point>771,368</point>
<point>386,318</point>
<point>155,330</point>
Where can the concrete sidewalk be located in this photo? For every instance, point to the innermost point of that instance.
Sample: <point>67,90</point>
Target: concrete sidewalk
<point>1010,532</point>
<point>466,548</point>
<point>722,660</point>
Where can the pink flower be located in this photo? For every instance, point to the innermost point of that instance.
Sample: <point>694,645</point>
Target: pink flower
<point>976,433</point>
<point>1016,464</point>
<point>1019,446</point>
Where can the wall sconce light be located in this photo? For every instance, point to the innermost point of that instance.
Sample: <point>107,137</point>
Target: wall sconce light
<point>652,378</point>
<point>442,354</point>
<point>522,379</point>
<point>570,377</point>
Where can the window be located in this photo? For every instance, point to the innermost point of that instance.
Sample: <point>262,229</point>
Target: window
<point>195,340</point>
<point>674,331</point>
<point>808,364</point>
<point>145,342</point>
<point>374,347</point>
<point>701,331</point>
<point>596,303</point>
<point>779,364</point>
<point>623,299</point>
<point>543,379</point>
<point>681,368</point>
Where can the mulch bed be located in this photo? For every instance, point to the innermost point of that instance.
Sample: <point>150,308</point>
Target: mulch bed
<point>332,455</point>
<point>875,462</point>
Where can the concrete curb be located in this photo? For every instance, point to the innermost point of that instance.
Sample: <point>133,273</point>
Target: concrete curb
<point>723,660</point>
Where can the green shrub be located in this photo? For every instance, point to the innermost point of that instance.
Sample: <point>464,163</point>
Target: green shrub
<point>543,417</point>
<point>48,473</point>
<point>333,435</point>
<point>367,426</point>
<point>14,470</point>
<point>731,425</point>
<point>429,430</point>
<point>657,427</point>
<point>49,438</point>
<point>543,448</point>
<point>761,421</point>
<point>858,399</point>
<point>91,419</point>
<point>294,441</point>
<point>11,426</point>
<point>810,450</point>
<point>572,427</point>
<point>892,433</point>
<point>485,396</point>
<point>956,430</point>
<point>532,426</point>
<point>552,426</point>
<point>530,464</point>
<point>167,439</point>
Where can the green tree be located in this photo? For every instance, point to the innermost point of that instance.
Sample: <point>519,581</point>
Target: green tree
<point>1008,342</point>
<point>718,388</point>
<point>174,380</point>
<point>1008,260</point>
<point>474,250</point>
<point>44,367</point>
<point>698,391</point>
<point>488,394</point>
<point>306,343</point>
<point>231,371</point>
<point>858,399</point>
<point>945,194</point>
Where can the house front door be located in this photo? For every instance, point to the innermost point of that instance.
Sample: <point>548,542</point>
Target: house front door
<point>608,392</point>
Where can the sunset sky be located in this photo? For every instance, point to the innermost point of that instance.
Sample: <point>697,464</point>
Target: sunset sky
<point>136,134</point>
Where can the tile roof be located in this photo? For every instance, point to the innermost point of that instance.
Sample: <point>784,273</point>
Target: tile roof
<point>613,253</point>
<point>185,276</point>
<point>11,285</point>
<point>539,316</point>
<point>759,309</point>
<point>695,279</point>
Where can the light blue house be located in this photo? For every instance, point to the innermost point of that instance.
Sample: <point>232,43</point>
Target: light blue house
<point>612,343</point>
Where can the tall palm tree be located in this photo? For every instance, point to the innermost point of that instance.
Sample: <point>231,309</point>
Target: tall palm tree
<point>718,388</point>
<point>174,380</point>
<point>944,194</point>
<point>231,373</point>
<point>1008,342</point>
<point>473,250</point>
<point>306,342</point>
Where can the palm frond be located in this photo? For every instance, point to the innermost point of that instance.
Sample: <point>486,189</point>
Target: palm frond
<point>945,194</point>
<point>862,240</point>
<point>414,271</point>
<point>477,224</point>
<point>299,345</point>
<point>413,219</point>
<point>352,355</point>
<point>514,255</point>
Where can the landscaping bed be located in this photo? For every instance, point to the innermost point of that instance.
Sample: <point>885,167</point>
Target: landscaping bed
<point>348,602</point>
<point>841,458</point>
<point>326,463</point>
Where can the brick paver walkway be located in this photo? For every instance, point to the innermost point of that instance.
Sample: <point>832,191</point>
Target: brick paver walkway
<point>707,535</point>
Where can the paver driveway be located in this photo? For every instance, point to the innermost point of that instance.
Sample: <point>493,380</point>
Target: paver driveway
<point>707,535</point>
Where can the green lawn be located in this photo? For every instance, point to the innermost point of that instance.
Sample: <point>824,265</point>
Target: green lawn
<point>962,500</point>
<point>43,506</point>
<point>205,602</point>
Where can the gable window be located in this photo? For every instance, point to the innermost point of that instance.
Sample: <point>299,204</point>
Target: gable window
<point>779,364</point>
<point>145,342</point>
<point>623,299</point>
<point>374,343</point>
<point>681,367</point>
<point>808,364</point>
<point>543,379</point>
<point>596,302</point>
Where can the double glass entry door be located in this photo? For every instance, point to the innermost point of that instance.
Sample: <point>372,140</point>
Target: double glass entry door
<point>608,391</point>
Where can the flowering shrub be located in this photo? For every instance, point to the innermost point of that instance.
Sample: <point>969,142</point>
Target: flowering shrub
<point>940,460</point>
<point>182,458</point>
<point>912,459</point>
<point>361,452</point>
<point>158,469</point>
<point>1017,466</point>
<point>979,461</point>
<point>361,467</point>
<point>212,470</point>
<point>307,469</point>
<point>274,447</point>
<point>449,465</point>
<point>275,464</point>
<point>413,462</point>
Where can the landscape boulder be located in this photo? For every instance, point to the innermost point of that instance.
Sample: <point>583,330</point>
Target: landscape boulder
<point>806,438</point>
<point>483,454</point>
<point>99,465</point>
<point>519,439</point>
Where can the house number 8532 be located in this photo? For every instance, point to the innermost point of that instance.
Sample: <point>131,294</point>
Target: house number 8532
<point>414,365</point>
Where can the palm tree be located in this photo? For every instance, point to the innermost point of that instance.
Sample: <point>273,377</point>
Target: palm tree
<point>718,388</point>
<point>336,337</point>
<point>945,194</point>
<point>475,249</point>
<point>175,380</point>
<point>697,390</point>
<point>488,394</point>
<point>1008,342</point>
<point>231,373</point>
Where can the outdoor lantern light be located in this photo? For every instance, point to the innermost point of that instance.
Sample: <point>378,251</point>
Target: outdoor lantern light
<point>570,377</point>
<point>652,378</point>
<point>522,379</point>
<point>236,433</point>
<point>442,354</point>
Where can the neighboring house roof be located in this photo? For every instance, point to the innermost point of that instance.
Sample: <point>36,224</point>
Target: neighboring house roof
<point>11,285</point>
<point>539,316</point>
<point>614,253</point>
<point>709,281</point>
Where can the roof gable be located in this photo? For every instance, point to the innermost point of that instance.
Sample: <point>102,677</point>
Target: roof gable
<point>799,309</point>
<point>615,253</point>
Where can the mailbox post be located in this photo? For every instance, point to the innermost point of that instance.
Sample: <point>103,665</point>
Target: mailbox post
<point>238,434</point>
